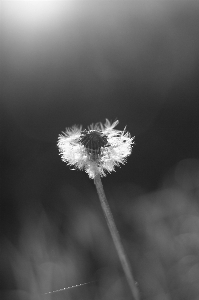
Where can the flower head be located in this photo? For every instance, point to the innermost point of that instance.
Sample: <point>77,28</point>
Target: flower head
<point>97,150</point>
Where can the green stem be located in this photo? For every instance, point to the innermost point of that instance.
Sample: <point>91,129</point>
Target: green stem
<point>115,236</point>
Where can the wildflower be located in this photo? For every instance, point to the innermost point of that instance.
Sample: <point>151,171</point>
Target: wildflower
<point>96,150</point>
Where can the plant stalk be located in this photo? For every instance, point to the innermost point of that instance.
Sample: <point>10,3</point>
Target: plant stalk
<point>116,237</point>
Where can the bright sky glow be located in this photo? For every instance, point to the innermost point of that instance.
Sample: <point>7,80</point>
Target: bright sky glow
<point>81,34</point>
<point>36,15</point>
<point>32,29</point>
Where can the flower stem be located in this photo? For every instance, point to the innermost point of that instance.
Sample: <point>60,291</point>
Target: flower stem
<point>116,237</point>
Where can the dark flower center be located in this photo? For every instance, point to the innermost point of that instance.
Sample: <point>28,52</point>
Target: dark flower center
<point>93,141</point>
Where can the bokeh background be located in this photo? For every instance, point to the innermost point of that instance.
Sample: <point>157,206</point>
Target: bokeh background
<point>80,62</point>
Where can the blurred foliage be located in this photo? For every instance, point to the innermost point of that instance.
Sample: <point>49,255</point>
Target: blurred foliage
<point>66,242</point>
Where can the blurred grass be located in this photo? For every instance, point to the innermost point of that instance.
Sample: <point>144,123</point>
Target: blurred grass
<point>160,231</point>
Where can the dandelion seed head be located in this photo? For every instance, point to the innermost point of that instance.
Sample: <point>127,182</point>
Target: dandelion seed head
<point>97,150</point>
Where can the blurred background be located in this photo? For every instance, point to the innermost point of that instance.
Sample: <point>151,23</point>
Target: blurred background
<point>80,62</point>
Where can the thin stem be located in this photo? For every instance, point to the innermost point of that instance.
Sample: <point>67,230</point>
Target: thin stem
<point>116,237</point>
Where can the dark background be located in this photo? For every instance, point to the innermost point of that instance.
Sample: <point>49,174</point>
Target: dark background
<point>80,62</point>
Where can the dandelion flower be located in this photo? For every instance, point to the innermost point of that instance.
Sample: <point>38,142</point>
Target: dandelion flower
<point>96,150</point>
